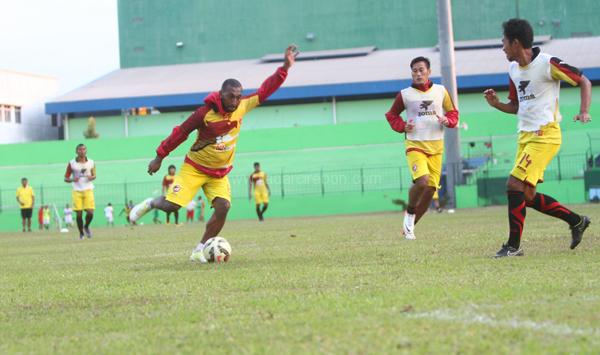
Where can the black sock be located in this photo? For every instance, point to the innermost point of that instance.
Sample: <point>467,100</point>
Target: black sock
<point>264,208</point>
<point>258,212</point>
<point>88,219</point>
<point>410,210</point>
<point>80,224</point>
<point>516,217</point>
<point>548,205</point>
<point>176,217</point>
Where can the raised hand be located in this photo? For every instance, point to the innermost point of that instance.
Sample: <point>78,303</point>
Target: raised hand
<point>290,56</point>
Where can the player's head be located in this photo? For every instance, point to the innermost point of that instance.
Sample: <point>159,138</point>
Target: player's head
<point>231,94</point>
<point>110,204</point>
<point>171,169</point>
<point>256,166</point>
<point>24,181</point>
<point>81,150</point>
<point>67,205</point>
<point>420,69</point>
<point>518,35</point>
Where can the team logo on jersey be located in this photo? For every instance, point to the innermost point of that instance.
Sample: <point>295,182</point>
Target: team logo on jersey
<point>425,106</point>
<point>522,86</point>
<point>176,188</point>
<point>414,168</point>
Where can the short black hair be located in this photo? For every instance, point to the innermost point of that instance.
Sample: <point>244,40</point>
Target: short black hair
<point>420,59</point>
<point>23,179</point>
<point>256,163</point>
<point>79,145</point>
<point>231,83</point>
<point>171,166</point>
<point>520,29</point>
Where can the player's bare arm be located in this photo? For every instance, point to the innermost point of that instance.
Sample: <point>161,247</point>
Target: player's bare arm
<point>493,100</point>
<point>585,87</point>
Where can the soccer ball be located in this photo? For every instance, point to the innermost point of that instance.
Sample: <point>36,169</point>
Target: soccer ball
<point>217,250</point>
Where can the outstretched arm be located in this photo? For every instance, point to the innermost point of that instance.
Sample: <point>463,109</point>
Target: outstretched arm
<point>272,83</point>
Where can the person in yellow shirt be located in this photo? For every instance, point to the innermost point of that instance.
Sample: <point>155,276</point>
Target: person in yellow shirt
<point>210,158</point>
<point>26,199</point>
<point>258,180</point>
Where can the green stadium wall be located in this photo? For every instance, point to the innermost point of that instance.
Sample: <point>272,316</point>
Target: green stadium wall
<point>149,30</point>
<point>355,166</point>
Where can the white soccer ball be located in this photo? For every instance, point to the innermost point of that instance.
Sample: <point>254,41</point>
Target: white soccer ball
<point>217,250</point>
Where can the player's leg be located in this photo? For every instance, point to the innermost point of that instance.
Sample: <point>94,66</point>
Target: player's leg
<point>29,219</point>
<point>546,204</point>
<point>418,164</point>
<point>258,212</point>
<point>78,209</point>
<point>176,214</point>
<point>434,168</point>
<point>218,191</point>
<point>264,209</point>
<point>88,205</point>
<point>23,222</point>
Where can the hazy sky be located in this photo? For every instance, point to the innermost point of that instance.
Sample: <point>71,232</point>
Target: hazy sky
<point>75,41</point>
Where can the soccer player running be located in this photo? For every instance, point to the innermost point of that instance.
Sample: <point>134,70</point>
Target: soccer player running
<point>534,87</point>
<point>210,158</point>
<point>26,200</point>
<point>166,183</point>
<point>81,171</point>
<point>262,191</point>
<point>429,109</point>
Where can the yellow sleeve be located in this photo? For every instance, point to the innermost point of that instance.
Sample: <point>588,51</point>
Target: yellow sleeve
<point>448,104</point>
<point>251,102</point>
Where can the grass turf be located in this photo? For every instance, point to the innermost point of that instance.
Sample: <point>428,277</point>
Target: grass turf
<point>344,284</point>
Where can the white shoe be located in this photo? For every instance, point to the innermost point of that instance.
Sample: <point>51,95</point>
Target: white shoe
<point>140,210</point>
<point>408,227</point>
<point>198,256</point>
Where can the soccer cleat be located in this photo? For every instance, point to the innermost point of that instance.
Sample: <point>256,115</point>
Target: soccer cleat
<point>88,233</point>
<point>507,250</point>
<point>81,236</point>
<point>140,210</point>
<point>577,231</point>
<point>198,256</point>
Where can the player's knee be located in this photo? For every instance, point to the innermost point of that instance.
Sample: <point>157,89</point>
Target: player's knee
<point>423,181</point>
<point>529,195</point>
<point>221,206</point>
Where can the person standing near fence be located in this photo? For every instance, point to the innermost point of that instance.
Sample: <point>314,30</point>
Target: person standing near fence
<point>211,156</point>
<point>191,206</point>
<point>201,207</point>
<point>258,181</point>
<point>109,214</point>
<point>68,213</point>
<point>166,183</point>
<point>534,88</point>
<point>80,173</point>
<point>26,201</point>
<point>429,108</point>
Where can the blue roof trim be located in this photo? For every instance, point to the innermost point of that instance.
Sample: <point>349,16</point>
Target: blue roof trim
<point>464,82</point>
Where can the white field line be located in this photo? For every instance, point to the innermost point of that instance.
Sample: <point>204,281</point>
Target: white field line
<point>270,152</point>
<point>468,317</point>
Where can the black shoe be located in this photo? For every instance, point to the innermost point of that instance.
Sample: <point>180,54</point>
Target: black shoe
<point>507,250</point>
<point>81,237</point>
<point>577,231</point>
<point>88,233</point>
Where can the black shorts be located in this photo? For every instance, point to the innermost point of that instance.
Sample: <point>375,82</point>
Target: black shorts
<point>26,212</point>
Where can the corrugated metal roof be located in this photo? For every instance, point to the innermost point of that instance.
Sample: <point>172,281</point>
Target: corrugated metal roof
<point>380,72</point>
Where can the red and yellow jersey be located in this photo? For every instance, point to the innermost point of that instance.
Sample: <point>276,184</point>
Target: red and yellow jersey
<point>213,151</point>
<point>168,181</point>
<point>259,180</point>
<point>423,103</point>
<point>536,89</point>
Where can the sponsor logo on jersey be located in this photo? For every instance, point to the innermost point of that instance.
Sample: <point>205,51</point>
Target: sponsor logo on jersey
<point>522,86</point>
<point>425,106</point>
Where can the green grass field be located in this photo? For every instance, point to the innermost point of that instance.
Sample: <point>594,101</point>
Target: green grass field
<point>346,284</point>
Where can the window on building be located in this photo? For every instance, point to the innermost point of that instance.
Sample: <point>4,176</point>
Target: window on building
<point>7,113</point>
<point>17,114</point>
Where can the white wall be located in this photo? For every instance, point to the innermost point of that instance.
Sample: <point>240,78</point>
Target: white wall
<point>30,92</point>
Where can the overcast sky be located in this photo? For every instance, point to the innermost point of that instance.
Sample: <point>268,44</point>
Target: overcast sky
<point>75,41</point>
